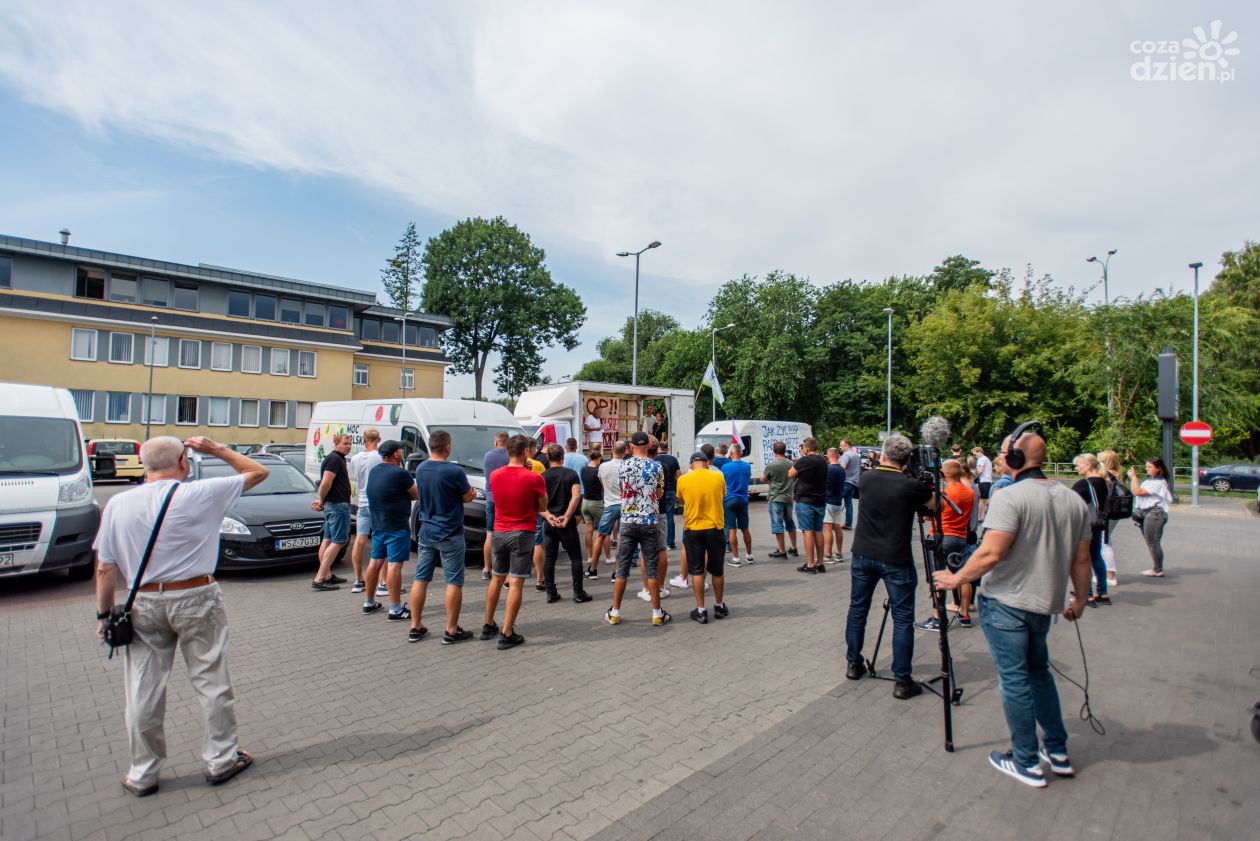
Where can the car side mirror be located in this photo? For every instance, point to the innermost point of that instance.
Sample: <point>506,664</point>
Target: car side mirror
<point>413,461</point>
<point>104,466</point>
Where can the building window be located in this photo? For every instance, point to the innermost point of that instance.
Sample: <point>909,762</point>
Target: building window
<point>413,334</point>
<point>83,403</point>
<point>302,415</point>
<point>123,287</point>
<point>428,337</point>
<point>218,414</point>
<point>249,412</point>
<point>83,344</point>
<point>306,363</point>
<point>280,361</point>
<point>278,413</point>
<point>158,350</point>
<point>118,407</point>
<point>238,304</point>
<point>184,297</point>
<point>120,347</point>
<point>189,353</point>
<point>371,329</point>
<point>389,332</point>
<point>339,318</point>
<point>251,359</point>
<point>157,292</point>
<point>6,273</point>
<point>408,379</point>
<point>290,311</point>
<point>186,411</point>
<point>360,374</point>
<point>220,356</point>
<point>265,307</point>
<point>158,415</point>
<point>314,314</point>
<point>89,283</point>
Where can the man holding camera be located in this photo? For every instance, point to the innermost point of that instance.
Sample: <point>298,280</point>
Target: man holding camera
<point>881,551</point>
<point>1036,533</point>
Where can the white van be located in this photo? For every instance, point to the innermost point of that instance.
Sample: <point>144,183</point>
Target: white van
<point>48,518</point>
<point>471,423</point>
<point>756,438</point>
<point>555,412</point>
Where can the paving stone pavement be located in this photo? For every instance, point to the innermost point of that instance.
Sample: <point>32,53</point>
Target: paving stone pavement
<point>741,729</point>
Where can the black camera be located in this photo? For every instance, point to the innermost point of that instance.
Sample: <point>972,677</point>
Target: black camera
<point>925,465</point>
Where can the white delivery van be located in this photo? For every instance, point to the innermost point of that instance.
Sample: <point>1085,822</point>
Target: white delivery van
<point>757,438</point>
<point>48,518</point>
<point>472,425</point>
<point>557,412</point>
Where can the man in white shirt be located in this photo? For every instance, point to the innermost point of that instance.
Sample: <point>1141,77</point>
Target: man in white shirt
<point>179,605</point>
<point>612,499</point>
<point>361,465</point>
<point>984,478</point>
<point>594,426</point>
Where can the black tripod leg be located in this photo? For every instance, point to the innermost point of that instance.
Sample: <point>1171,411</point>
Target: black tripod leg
<point>883,623</point>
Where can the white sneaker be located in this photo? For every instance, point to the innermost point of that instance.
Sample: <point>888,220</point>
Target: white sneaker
<point>679,583</point>
<point>735,561</point>
<point>382,590</point>
<point>664,592</point>
<point>748,559</point>
<point>829,559</point>
<point>645,595</point>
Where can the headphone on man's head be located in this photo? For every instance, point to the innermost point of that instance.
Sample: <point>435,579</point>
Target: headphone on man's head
<point>1015,457</point>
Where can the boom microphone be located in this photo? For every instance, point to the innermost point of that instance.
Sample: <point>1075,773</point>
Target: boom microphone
<point>935,432</point>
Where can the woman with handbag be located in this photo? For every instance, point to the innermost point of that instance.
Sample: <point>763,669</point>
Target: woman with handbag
<point>1150,510</point>
<point>1093,489</point>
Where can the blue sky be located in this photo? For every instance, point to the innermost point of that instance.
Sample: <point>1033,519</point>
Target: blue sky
<point>828,139</point>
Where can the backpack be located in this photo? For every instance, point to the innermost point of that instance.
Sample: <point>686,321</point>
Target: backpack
<point>1119,500</point>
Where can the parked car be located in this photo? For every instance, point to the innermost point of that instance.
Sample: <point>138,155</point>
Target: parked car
<point>126,453</point>
<point>1230,477</point>
<point>272,524</point>
<point>280,449</point>
<point>297,458</point>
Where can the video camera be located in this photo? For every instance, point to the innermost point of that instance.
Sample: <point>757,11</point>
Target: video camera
<point>925,465</point>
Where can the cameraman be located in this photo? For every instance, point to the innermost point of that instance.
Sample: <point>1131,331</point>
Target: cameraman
<point>1036,533</point>
<point>881,550</point>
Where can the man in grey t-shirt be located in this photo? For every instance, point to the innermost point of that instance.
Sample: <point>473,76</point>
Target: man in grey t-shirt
<point>851,461</point>
<point>1036,534</point>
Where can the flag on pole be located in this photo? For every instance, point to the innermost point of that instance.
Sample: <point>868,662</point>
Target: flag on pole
<point>711,380</point>
<point>734,433</point>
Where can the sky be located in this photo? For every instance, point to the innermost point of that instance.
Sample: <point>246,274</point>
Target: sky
<point>829,139</point>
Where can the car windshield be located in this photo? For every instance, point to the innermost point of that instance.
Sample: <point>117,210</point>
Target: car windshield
<point>39,445</point>
<point>283,478</point>
<point>118,448</point>
<point>470,443</point>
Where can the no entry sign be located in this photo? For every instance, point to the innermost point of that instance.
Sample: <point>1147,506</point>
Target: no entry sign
<point>1196,433</point>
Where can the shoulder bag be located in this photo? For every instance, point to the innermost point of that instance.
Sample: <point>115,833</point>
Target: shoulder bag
<point>118,630</point>
<point>1119,500</point>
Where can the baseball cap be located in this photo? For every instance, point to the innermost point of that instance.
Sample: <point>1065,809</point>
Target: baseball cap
<point>697,457</point>
<point>388,448</point>
<point>639,439</point>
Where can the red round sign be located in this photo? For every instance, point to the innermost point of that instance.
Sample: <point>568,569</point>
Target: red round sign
<point>1196,433</point>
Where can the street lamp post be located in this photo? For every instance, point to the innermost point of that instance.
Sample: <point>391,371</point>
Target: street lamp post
<point>1106,263</point>
<point>888,405</point>
<point>148,406</point>
<point>634,351</point>
<point>1194,391</point>
<point>713,362</point>
<point>402,370</point>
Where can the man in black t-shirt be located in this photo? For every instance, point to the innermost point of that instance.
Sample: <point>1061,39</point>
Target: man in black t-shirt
<point>564,495</point>
<point>810,473</point>
<point>672,468</point>
<point>332,497</point>
<point>881,550</point>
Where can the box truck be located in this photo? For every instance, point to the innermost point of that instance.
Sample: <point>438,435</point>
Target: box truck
<point>756,438</point>
<point>557,412</point>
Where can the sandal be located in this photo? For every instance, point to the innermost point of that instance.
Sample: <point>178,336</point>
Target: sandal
<point>132,788</point>
<point>1092,601</point>
<point>1104,599</point>
<point>243,761</point>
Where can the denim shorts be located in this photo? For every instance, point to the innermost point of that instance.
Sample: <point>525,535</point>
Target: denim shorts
<point>336,522</point>
<point>781,519</point>
<point>810,516</point>
<point>834,514</point>
<point>610,517</point>
<point>392,546</point>
<point>363,522</point>
<point>538,531</point>
<point>451,552</point>
<point>736,513</point>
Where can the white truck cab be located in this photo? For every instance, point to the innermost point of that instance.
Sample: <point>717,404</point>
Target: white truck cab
<point>48,518</point>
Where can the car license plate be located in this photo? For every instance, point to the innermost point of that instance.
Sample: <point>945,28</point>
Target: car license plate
<point>6,559</point>
<point>297,542</point>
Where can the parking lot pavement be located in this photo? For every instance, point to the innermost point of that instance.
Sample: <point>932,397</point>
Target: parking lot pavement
<point>744,728</point>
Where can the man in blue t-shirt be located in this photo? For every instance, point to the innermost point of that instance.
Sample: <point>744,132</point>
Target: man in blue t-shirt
<point>493,460</point>
<point>442,489</point>
<point>390,493</point>
<point>737,474</point>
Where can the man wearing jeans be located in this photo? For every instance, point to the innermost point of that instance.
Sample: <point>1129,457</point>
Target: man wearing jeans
<point>851,461</point>
<point>881,550</point>
<point>780,496</point>
<point>441,489</point>
<point>1037,533</point>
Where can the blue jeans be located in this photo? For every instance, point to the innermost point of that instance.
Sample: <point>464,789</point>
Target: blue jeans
<point>899,581</point>
<point>1017,641</point>
<point>1096,560</point>
<point>667,511</point>
<point>450,550</point>
<point>849,490</point>
<point>781,518</point>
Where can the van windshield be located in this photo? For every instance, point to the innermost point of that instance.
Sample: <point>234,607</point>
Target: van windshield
<point>469,444</point>
<point>39,445</point>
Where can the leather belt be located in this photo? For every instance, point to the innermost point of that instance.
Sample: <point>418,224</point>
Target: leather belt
<point>186,584</point>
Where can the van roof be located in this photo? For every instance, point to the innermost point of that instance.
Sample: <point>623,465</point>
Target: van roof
<point>38,401</point>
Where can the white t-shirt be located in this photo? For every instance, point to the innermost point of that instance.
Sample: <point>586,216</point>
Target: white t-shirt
<point>984,469</point>
<point>594,430</point>
<point>612,483</point>
<point>188,542</point>
<point>360,466</point>
<point>1157,496</point>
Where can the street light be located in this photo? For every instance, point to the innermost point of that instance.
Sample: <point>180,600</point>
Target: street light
<point>1194,391</point>
<point>888,406</point>
<point>402,371</point>
<point>634,352</point>
<point>713,363</point>
<point>148,406</point>
<point>1106,321</point>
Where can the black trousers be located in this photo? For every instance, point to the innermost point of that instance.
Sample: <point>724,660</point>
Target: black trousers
<point>553,539</point>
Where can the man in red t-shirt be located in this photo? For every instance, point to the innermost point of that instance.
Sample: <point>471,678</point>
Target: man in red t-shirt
<point>954,529</point>
<point>520,496</point>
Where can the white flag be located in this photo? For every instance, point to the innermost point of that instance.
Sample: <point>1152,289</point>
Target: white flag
<point>711,380</point>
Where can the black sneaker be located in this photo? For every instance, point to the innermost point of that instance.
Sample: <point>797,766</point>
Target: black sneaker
<point>856,670</point>
<point>794,553</point>
<point>398,615</point>
<point>459,636</point>
<point>964,621</point>
<point>776,554</point>
<point>485,575</point>
<point>929,625</point>
<point>320,586</point>
<point>369,609</point>
<point>701,616</point>
<point>581,597</point>
<point>820,569</point>
<point>553,596</point>
<point>590,574</point>
<point>489,631</point>
<point>417,634</point>
<point>541,587</point>
<point>335,579</point>
<point>720,611</point>
<point>807,569</point>
<point>510,642</point>
<point>905,689</point>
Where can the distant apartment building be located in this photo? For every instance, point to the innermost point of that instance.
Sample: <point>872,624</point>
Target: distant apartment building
<point>239,356</point>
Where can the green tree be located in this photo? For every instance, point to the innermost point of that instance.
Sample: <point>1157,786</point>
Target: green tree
<point>488,277</point>
<point>403,270</point>
<point>1239,278</point>
<point>615,363</point>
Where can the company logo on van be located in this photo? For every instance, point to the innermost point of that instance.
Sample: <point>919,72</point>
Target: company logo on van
<point>315,439</point>
<point>380,413</point>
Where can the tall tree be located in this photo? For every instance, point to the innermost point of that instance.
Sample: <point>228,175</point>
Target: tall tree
<point>488,277</point>
<point>615,362</point>
<point>402,271</point>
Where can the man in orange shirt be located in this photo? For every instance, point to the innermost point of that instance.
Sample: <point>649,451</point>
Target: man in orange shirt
<point>954,538</point>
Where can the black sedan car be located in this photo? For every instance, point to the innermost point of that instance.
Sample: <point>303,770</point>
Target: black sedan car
<point>1230,477</point>
<point>271,524</point>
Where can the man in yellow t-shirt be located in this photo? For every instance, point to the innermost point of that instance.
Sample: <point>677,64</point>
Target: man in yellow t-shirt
<point>704,543</point>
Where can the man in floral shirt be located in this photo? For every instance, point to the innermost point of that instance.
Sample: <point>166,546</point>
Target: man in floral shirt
<point>642,484</point>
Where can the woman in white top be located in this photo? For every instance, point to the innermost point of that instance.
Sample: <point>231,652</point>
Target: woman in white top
<point>1150,509</point>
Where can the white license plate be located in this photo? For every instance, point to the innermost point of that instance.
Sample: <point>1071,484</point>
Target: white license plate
<point>297,542</point>
<point>6,559</point>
